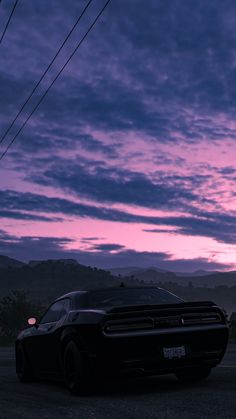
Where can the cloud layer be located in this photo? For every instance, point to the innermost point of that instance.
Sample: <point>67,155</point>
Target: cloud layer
<point>139,129</point>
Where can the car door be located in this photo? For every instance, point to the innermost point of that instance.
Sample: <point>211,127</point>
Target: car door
<point>42,339</point>
<point>54,343</point>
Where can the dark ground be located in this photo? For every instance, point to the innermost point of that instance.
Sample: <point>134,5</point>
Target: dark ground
<point>157,397</point>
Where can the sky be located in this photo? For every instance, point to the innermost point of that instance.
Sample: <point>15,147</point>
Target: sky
<point>130,158</point>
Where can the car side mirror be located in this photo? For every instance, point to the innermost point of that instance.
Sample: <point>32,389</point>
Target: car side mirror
<point>32,321</point>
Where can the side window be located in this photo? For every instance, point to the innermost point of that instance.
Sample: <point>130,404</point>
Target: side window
<point>53,314</point>
<point>65,307</point>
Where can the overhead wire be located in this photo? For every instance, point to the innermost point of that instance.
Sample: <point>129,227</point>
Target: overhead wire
<point>54,80</point>
<point>8,21</point>
<point>45,72</point>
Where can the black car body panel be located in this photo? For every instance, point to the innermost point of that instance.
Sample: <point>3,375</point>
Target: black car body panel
<point>129,338</point>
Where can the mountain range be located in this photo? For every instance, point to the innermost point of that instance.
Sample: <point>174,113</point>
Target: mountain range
<point>199,278</point>
<point>151,274</point>
<point>133,270</point>
<point>46,280</point>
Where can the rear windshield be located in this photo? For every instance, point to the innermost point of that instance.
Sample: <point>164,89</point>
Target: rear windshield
<point>122,296</point>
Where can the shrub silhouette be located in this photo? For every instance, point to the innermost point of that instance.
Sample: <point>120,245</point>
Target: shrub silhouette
<point>15,309</point>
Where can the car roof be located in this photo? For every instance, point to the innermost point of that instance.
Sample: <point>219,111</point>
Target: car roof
<point>72,294</point>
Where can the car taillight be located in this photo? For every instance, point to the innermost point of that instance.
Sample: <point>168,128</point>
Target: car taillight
<point>200,318</point>
<point>114,327</point>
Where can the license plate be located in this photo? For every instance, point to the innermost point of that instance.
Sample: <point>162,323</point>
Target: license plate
<point>176,352</point>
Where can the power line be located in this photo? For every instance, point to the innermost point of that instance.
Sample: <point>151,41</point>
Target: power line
<point>54,80</point>
<point>9,19</point>
<point>45,72</point>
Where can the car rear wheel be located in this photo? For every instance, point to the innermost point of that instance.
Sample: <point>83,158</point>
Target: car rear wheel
<point>193,374</point>
<point>76,371</point>
<point>23,369</point>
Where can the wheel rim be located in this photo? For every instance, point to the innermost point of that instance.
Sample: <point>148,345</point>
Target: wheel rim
<point>70,369</point>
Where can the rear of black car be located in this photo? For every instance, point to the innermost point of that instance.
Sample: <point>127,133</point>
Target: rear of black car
<point>159,338</point>
<point>163,339</point>
<point>142,330</point>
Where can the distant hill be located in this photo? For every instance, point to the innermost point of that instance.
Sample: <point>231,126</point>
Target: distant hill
<point>199,272</point>
<point>6,262</point>
<point>198,278</point>
<point>65,261</point>
<point>129,271</point>
<point>52,278</point>
<point>126,271</point>
<point>154,275</point>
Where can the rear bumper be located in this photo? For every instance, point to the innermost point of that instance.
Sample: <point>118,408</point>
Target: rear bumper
<point>143,354</point>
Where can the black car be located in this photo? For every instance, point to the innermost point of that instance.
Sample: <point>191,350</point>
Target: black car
<point>85,335</point>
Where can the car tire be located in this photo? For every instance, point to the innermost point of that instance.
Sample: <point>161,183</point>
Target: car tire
<point>193,374</point>
<point>23,368</point>
<point>75,369</point>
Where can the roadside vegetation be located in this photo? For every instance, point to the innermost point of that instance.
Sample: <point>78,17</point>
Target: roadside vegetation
<point>15,309</point>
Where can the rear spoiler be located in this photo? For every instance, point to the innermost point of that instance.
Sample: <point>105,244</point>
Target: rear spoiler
<point>189,304</point>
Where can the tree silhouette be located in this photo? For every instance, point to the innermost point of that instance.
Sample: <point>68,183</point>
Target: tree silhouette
<point>15,309</point>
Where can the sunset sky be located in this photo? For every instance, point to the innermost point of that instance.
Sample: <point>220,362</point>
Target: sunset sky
<point>130,160</point>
